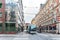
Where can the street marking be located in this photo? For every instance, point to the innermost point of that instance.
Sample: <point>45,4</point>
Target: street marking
<point>21,38</point>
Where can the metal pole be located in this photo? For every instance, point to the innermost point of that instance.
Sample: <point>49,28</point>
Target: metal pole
<point>58,28</point>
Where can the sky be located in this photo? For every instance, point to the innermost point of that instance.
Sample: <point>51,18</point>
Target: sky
<point>30,8</point>
<point>7,1</point>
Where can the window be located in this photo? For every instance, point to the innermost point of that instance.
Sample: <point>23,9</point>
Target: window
<point>57,1</point>
<point>0,5</point>
<point>7,27</point>
<point>5,16</point>
<point>50,15</point>
<point>12,27</point>
<point>0,27</point>
<point>0,14</point>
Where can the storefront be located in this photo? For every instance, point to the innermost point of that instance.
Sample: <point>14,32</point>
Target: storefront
<point>10,28</point>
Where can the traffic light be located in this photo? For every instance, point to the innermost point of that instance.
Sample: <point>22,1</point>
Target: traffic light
<point>0,5</point>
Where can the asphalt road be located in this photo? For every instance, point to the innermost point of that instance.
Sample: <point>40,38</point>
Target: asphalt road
<point>25,36</point>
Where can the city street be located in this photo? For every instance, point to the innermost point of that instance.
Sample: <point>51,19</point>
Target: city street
<point>25,36</point>
<point>29,19</point>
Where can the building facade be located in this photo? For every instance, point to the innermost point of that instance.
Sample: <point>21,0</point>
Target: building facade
<point>21,13</point>
<point>48,17</point>
<point>11,17</point>
<point>2,16</point>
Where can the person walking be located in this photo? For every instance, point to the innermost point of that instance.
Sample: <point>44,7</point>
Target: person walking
<point>40,29</point>
<point>29,29</point>
<point>22,28</point>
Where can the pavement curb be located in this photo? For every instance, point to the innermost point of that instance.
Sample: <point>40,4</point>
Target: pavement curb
<point>8,35</point>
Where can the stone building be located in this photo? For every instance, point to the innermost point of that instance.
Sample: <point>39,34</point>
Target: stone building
<point>49,17</point>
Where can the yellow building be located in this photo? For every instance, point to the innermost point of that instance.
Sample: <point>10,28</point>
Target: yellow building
<point>49,17</point>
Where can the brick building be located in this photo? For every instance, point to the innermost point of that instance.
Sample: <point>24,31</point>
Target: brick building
<point>2,15</point>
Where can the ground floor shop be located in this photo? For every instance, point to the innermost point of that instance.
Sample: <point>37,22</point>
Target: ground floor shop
<point>8,28</point>
<point>52,28</point>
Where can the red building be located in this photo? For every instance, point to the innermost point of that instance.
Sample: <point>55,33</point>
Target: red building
<point>2,15</point>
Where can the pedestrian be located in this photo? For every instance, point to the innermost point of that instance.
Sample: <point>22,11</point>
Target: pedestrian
<point>22,28</point>
<point>29,29</point>
<point>40,29</point>
<point>26,27</point>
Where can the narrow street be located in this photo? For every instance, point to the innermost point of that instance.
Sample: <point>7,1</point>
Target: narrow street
<point>29,19</point>
<point>25,36</point>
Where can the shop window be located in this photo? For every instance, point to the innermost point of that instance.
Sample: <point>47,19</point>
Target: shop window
<point>46,28</point>
<point>0,14</point>
<point>50,28</point>
<point>12,27</point>
<point>5,16</point>
<point>0,26</point>
<point>0,5</point>
<point>54,27</point>
<point>7,27</point>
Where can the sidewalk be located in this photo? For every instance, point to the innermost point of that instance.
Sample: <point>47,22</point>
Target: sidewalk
<point>9,35</point>
<point>17,34</point>
<point>21,33</point>
<point>50,36</point>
